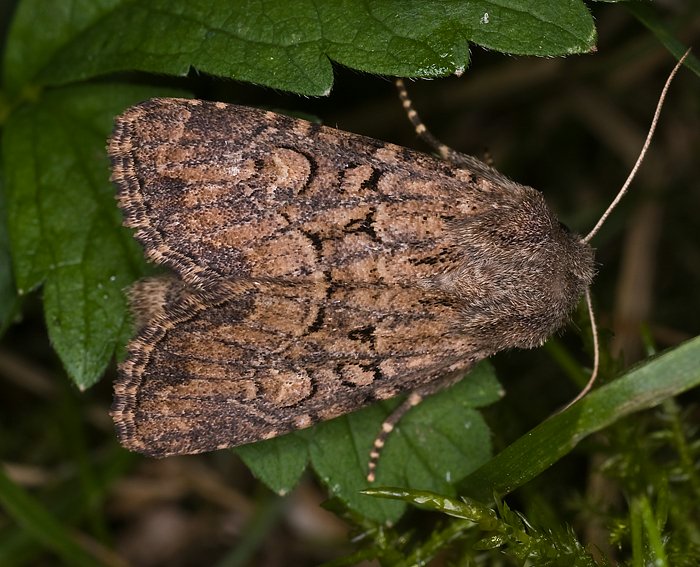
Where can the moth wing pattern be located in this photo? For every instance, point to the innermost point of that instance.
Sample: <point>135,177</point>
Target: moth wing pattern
<point>217,191</point>
<point>250,362</point>
<point>316,271</point>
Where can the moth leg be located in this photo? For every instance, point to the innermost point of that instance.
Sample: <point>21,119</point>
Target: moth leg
<point>414,398</point>
<point>444,151</point>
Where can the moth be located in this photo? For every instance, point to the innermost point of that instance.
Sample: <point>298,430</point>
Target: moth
<point>315,271</point>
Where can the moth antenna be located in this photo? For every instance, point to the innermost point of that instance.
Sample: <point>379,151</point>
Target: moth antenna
<point>444,151</point>
<point>643,152</point>
<point>606,214</point>
<point>387,427</point>
<point>596,353</point>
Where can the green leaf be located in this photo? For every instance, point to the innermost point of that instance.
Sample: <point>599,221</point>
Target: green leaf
<point>641,388</point>
<point>9,302</point>
<point>435,444</point>
<point>279,462</point>
<point>281,43</point>
<point>64,228</point>
<point>340,454</point>
<point>464,508</point>
<point>41,30</point>
<point>531,27</point>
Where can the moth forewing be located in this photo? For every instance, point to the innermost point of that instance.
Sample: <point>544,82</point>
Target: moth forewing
<point>316,271</point>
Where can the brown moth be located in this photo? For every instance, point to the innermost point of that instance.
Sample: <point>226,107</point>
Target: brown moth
<point>316,271</point>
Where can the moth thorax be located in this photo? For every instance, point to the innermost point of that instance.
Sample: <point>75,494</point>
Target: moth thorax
<point>521,275</point>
